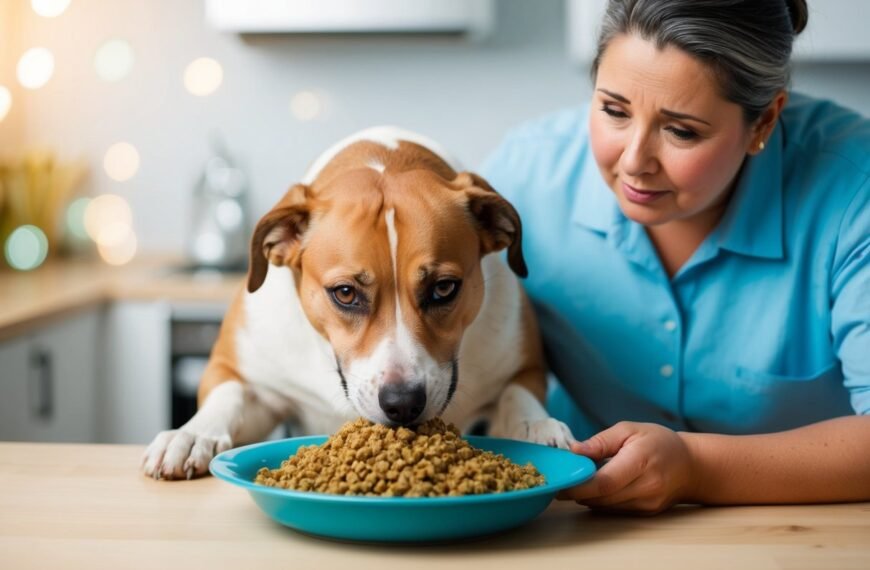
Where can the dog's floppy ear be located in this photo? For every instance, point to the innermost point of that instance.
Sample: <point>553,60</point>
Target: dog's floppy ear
<point>498,222</point>
<point>278,235</point>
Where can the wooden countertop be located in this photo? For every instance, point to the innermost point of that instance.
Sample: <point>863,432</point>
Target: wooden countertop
<point>61,286</point>
<point>87,506</point>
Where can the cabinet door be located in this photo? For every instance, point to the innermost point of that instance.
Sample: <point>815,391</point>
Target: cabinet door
<point>48,388</point>
<point>135,397</point>
<point>14,398</point>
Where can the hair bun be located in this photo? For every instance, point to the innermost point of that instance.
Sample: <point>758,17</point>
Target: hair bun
<point>798,13</point>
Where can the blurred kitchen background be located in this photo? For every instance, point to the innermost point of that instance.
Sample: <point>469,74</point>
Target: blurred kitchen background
<point>141,140</point>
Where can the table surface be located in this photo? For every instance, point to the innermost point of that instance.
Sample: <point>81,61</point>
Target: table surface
<point>88,506</point>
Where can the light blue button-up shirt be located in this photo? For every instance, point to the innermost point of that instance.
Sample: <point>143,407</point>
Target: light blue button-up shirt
<point>765,328</point>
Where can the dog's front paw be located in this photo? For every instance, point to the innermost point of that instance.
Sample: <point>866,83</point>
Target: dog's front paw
<point>178,453</point>
<point>547,431</point>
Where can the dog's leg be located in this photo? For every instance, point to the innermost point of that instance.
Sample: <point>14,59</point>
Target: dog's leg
<point>520,415</point>
<point>519,412</point>
<point>232,414</point>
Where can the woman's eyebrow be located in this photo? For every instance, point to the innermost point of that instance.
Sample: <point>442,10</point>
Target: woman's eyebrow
<point>668,112</point>
<point>683,116</point>
<point>616,96</point>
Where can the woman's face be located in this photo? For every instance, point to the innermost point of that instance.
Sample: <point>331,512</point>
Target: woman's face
<point>667,144</point>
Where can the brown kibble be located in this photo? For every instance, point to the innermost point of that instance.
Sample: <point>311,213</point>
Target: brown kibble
<point>371,459</point>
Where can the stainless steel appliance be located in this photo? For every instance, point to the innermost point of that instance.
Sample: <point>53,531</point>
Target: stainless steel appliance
<point>219,225</point>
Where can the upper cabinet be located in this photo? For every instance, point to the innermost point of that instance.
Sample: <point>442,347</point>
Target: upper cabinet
<point>836,31</point>
<point>471,17</point>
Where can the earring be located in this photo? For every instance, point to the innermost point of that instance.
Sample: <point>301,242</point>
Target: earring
<point>760,146</point>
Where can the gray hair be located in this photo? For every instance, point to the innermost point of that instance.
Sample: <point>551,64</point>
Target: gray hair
<point>745,43</point>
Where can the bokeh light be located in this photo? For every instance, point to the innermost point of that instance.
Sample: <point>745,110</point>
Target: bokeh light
<point>113,60</point>
<point>5,102</point>
<point>306,105</point>
<point>121,252</point>
<point>26,248</point>
<point>121,161</point>
<point>203,76</point>
<point>35,67</point>
<point>209,247</point>
<point>229,214</point>
<point>108,220</point>
<point>49,8</point>
<point>75,217</point>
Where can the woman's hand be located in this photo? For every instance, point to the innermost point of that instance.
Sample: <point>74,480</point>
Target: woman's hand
<point>648,469</point>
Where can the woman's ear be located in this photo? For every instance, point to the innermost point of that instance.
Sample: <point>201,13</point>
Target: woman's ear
<point>498,223</point>
<point>765,124</point>
<point>278,236</point>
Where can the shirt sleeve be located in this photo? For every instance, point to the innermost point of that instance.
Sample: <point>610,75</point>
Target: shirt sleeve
<point>850,297</point>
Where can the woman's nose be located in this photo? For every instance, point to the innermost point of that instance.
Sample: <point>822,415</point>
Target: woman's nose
<point>640,155</point>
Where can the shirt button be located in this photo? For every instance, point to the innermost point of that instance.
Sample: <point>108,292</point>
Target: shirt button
<point>670,325</point>
<point>667,370</point>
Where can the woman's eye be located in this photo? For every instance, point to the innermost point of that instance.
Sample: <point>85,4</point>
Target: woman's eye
<point>682,134</point>
<point>345,295</point>
<point>445,290</point>
<point>616,114</point>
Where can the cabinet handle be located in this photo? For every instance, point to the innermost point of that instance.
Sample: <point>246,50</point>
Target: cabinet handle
<point>41,383</point>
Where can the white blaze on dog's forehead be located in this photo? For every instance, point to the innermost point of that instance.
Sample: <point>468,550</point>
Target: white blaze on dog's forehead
<point>375,165</point>
<point>386,136</point>
<point>404,340</point>
<point>393,238</point>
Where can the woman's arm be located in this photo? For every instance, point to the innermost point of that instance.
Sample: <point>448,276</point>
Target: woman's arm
<point>649,468</point>
<point>820,463</point>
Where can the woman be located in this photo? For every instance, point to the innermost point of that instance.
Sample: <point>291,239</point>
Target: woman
<point>698,242</point>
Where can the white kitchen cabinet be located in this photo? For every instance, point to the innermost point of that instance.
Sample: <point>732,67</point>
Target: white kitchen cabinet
<point>48,381</point>
<point>134,399</point>
<point>474,17</point>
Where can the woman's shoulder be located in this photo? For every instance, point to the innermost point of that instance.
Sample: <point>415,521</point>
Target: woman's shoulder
<point>826,179</point>
<point>819,130</point>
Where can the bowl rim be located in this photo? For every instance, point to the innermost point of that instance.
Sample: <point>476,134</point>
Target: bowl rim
<point>219,467</point>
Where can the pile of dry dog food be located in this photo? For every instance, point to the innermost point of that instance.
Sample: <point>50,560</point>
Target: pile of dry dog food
<point>429,460</point>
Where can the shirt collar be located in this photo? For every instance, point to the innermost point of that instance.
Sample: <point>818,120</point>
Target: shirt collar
<point>752,224</point>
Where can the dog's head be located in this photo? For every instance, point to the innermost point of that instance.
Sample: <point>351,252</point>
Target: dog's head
<point>387,266</point>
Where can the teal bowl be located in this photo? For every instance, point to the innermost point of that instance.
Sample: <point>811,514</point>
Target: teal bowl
<point>401,519</point>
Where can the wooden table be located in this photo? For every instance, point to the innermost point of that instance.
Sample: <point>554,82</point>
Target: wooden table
<point>87,506</point>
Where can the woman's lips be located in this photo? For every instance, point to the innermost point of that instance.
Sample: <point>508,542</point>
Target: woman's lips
<point>637,196</point>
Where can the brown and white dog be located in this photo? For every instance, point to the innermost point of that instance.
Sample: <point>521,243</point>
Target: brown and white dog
<point>374,290</point>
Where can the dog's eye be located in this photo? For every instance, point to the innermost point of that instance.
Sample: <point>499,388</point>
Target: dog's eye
<point>345,295</point>
<point>445,290</point>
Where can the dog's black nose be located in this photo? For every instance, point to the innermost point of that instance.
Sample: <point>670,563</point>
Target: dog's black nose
<point>402,403</point>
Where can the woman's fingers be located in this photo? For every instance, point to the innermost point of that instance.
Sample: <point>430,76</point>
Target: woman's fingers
<point>639,497</point>
<point>645,476</point>
<point>643,494</point>
<point>606,443</point>
<point>618,474</point>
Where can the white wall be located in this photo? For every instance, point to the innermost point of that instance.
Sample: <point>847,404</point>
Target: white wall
<point>460,93</point>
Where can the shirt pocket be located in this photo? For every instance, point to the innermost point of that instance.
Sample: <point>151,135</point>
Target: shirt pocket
<point>763,402</point>
<point>762,381</point>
